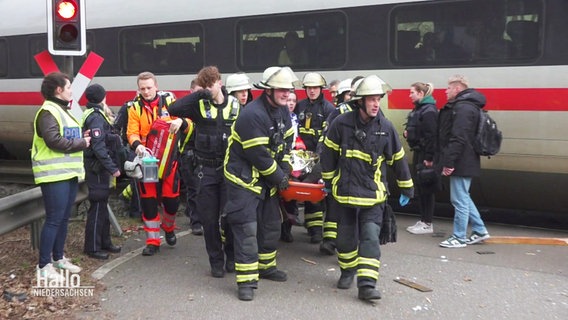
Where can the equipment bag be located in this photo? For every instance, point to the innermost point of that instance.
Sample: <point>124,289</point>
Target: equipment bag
<point>488,137</point>
<point>163,145</point>
<point>412,125</point>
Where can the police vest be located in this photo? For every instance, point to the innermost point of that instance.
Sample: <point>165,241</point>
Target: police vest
<point>212,132</point>
<point>49,165</point>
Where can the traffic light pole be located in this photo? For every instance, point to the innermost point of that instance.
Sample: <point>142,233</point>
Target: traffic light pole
<point>68,67</point>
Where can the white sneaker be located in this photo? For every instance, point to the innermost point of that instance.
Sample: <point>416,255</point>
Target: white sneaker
<point>65,264</point>
<point>48,272</point>
<point>416,225</point>
<point>421,228</point>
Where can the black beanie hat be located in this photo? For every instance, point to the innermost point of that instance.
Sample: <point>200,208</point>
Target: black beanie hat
<point>95,93</point>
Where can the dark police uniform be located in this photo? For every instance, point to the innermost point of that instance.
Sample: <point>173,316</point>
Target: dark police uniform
<point>101,161</point>
<point>212,127</point>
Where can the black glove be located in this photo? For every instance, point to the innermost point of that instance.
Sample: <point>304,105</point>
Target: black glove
<point>388,228</point>
<point>284,184</point>
<point>205,94</point>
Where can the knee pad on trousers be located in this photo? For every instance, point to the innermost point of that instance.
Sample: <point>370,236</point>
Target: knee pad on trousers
<point>369,239</point>
<point>171,204</point>
<point>149,207</point>
<point>249,242</point>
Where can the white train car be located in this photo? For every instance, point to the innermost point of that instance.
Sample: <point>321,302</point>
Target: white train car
<point>513,51</point>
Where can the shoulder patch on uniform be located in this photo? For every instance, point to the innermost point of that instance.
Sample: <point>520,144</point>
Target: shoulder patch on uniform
<point>96,132</point>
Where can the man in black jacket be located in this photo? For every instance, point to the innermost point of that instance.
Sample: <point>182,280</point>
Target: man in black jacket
<point>458,121</point>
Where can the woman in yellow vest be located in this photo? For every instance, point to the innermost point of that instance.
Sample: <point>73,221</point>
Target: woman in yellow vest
<point>57,163</point>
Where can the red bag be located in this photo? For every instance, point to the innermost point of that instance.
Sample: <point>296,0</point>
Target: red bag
<point>163,145</point>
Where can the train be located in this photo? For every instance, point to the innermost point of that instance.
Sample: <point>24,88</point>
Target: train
<point>513,51</point>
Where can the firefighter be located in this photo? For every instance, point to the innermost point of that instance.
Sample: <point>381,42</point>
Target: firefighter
<point>256,166</point>
<point>212,112</point>
<point>356,149</point>
<point>238,85</point>
<point>145,110</point>
<point>312,113</point>
<point>101,162</point>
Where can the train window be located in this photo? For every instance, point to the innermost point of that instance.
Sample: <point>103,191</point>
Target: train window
<point>302,41</point>
<point>3,57</point>
<point>171,48</point>
<point>467,32</point>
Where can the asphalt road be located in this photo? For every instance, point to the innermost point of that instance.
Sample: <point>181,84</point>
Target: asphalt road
<point>485,281</point>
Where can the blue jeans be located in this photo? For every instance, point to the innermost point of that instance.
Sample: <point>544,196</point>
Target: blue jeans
<point>58,199</point>
<point>465,209</point>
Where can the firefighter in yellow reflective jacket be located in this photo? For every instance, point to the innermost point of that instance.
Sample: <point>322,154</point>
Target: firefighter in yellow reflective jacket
<point>356,149</point>
<point>256,166</point>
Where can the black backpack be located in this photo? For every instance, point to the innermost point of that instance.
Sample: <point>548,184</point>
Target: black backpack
<point>488,137</point>
<point>412,126</point>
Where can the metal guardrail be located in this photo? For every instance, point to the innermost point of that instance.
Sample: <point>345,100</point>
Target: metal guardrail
<point>27,207</point>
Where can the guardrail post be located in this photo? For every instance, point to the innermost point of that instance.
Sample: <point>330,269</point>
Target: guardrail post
<point>35,233</point>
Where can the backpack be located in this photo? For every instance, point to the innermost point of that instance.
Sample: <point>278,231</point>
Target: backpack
<point>412,126</point>
<point>488,137</point>
<point>162,145</point>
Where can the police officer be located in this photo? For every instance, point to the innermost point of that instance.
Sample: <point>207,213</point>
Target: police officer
<point>238,85</point>
<point>357,146</point>
<point>312,113</point>
<point>101,162</point>
<point>146,110</point>
<point>212,112</point>
<point>256,166</point>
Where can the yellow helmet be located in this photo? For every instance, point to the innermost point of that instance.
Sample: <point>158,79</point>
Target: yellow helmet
<point>313,79</point>
<point>237,82</point>
<point>278,78</point>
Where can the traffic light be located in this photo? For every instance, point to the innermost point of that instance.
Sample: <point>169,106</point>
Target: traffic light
<point>66,27</point>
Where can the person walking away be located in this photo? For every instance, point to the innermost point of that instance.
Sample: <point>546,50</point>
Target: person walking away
<point>421,133</point>
<point>212,111</point>
<point>458,122</point>
<point>357,147</point>
<point>100,164</point>
<point>150,107</point>
<point>57,165</point>
<point>257,166</point>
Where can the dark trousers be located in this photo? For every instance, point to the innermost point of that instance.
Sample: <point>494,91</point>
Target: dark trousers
<point>255,222</point>
<point>97,228</point>
<point>210,200</point>
<point>358,241</point>
<point>58,199</point>
<point>190,181</point>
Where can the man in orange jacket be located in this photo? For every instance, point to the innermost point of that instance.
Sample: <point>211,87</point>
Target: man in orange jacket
<point>152,106</point>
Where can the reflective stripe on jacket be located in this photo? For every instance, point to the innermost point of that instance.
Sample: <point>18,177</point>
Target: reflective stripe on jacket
<point>49,165</point>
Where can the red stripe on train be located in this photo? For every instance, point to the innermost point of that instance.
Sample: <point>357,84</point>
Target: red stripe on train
<point>545,99</point>
<point>542,99</point>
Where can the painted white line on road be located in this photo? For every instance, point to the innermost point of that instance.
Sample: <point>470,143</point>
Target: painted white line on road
<point>107,267</point>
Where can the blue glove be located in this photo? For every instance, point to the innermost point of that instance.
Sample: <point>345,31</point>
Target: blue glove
<point>403,200</point>
<point>327,190</point>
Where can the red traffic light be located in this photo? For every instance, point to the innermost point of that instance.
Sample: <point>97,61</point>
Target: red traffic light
<point>66,10</point>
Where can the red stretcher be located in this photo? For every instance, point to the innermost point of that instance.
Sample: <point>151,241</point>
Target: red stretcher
<point>301,191</point>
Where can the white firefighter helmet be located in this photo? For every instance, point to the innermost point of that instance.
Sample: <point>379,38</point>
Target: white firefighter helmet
<point>278,78</point>
<point>237,82</point>
<point>344,85</point>
<point>371,85</point>
<point>313,79</point>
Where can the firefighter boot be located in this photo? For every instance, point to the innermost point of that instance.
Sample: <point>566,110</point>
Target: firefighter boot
<point>327,247</point>
<point>286,232</point>
<point>346,279</point>
<point>369,293</point>
<point>246,293</point>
